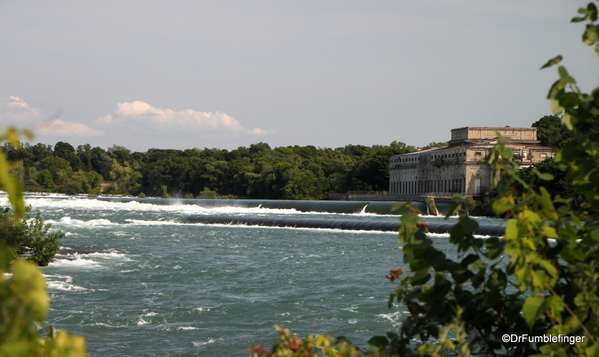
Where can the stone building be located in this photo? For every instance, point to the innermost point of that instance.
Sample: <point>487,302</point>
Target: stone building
<point>461,166</point>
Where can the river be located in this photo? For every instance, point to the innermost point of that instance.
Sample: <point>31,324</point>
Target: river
<point>136,280</point>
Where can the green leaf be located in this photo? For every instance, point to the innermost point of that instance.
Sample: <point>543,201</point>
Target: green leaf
<point>434,257</point>
<point>421,277</point>
<point>569,122</point>
<point>392,335</point>
<point>570,100</point>
<point>592,11</point>
<point>379,342</point>
<point>11,186</point>
<point>542,175</point>
<point>414,294</point>
<point>552,62</point>
<point>30,285</point>
<point>511,229</point>
<point>408,227</point>
<point>589,37</point>
<point>494,247</point>
<point>555,305</point>
<point>492,298</point>
<point>468,223</point>
<point>502,205</point>
<point>565,76</point>
<point>532,309</point>
<point>555,107</point>
<point>471,258</point>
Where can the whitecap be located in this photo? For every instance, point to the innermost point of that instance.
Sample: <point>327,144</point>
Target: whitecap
<point>64,286</point>
<point>394,317</point>
<point>352,308</point>
<point>62,282</point>
<point>200,344</point>
<point>68,221</point>
<point>202,309</point>
<point>109,255</point>
<point>74,260</point>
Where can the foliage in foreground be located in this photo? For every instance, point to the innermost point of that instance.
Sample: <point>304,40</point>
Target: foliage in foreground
<point>24,301</point>
<point>289,345</point>
<point>539,279</point>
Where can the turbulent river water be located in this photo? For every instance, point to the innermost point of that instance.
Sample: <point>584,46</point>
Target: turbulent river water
<point>136,280</point>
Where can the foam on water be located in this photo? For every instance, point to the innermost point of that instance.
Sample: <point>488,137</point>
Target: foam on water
<point>68,221</point>
<point>109,255</point>
<point>203,343</point>
<point>85,203</point>
<point>87,260</point>
<point>74,261</point>
<point>394,317</point>
<point>62,282</point>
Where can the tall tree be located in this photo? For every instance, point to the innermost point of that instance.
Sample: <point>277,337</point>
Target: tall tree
<point>551,132</point>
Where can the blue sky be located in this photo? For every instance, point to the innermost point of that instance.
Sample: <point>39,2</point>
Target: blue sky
<point>228,73</point>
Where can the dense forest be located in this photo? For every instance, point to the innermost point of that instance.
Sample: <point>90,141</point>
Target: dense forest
<point>257,171</point>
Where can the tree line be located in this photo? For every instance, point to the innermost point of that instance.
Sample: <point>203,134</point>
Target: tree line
<point>257,171</point>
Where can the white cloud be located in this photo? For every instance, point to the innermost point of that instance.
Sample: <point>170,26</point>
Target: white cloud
<point>258,131</point>
<point>106,119</point>
<point>142,114</point>
<point>57,127</point>
<point>15,111</point>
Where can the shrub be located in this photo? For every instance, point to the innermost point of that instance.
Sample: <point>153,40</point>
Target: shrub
<point>29,238</point>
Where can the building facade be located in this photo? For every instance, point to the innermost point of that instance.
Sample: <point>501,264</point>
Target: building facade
<point>461,166</point>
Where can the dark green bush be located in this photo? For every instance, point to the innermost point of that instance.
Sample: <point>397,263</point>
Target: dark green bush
<point>29,238</point>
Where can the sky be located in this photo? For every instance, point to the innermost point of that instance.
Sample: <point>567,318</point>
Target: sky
<point>185,74</point>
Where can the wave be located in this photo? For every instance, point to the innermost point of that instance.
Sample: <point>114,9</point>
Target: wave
<point>73,261</point>
<point>68,221</point>
<point>86,260</point>
<point>203,343</point>
<point>58,202</point>
<point>63,283</point>
<point>102,222</point>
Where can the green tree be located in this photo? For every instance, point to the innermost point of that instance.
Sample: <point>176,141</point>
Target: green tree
<point>45,179</point>
<point>551,132</point>
<point>58,167</point>
<point>67,152</point>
